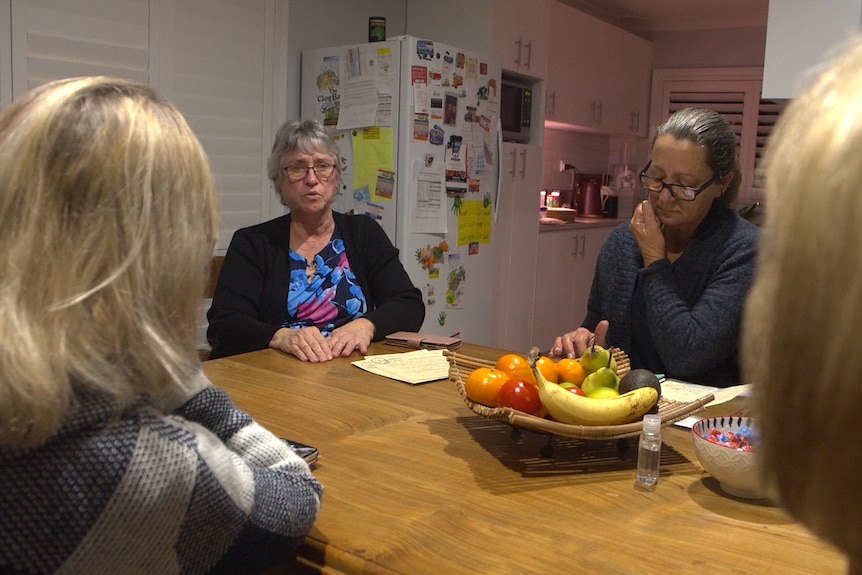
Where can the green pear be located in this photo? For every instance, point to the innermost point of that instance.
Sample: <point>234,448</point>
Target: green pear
<point>603,377</point>
<point>597,357</point>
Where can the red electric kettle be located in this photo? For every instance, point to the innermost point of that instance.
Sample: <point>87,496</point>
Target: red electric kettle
<point>590,201</point>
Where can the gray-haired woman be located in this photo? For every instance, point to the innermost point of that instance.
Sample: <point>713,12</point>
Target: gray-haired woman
<point>669,286</point>
<point>314,283</point>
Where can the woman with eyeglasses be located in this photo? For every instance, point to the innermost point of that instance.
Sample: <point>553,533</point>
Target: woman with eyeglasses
<point>314,283</point>
<point>669,286</point>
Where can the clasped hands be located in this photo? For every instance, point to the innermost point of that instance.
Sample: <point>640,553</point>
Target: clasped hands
<point>308,344</point>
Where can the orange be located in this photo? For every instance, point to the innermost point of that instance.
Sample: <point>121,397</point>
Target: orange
<point>570,370</point>
<point>516,367</point>
<point>483,383</point>
<point>548,368</point>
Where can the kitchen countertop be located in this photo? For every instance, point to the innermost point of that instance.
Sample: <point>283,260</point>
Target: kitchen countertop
<point>582,223</point>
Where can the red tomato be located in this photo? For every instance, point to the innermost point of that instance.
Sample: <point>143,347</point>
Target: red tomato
<point>577,390</point>
<point>521,395</point>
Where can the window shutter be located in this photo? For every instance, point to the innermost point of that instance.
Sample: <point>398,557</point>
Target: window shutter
<point>214,59</point>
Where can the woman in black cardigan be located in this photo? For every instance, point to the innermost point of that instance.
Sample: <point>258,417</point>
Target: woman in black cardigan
<point>314,283</point>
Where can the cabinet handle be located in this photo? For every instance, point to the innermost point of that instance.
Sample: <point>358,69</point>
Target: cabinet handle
<point>514,164</point>
<point>635,124</point>
<point>552,96</point>
<point>577,238</point>
<point>583,244</point>
<point>518,59</point>
<point>529,46</point>
<point>523,163</point>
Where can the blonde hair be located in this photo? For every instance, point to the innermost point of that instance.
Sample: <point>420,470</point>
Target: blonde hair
<point>107,221</point>
<point>801,346</point>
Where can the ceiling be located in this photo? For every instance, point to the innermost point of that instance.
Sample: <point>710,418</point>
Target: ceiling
<point>646,17</point>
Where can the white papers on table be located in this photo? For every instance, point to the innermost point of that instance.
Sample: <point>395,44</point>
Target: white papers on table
<point>420,366</point>
<point>683,391</point>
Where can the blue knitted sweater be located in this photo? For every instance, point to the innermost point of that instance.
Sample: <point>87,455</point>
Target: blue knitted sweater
<point>201,490</point>
<point>694,305</point>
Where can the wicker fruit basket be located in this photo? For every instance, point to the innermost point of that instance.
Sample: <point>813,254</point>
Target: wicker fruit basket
<point>461,365</point>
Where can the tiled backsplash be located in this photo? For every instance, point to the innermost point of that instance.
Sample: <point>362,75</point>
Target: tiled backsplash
<point>590,153</point>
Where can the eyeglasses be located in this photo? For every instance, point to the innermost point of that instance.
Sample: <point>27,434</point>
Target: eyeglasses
<point>678,191</point>
<point>322,171</point>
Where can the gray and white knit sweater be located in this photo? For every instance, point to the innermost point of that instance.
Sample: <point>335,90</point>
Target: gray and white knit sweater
<point>203,489</point>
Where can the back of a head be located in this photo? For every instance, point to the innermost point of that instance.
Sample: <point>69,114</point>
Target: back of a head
<point>800,338</point>
<point>107,222</point>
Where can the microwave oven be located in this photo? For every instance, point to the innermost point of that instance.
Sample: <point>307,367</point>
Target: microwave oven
<point>516,106</point>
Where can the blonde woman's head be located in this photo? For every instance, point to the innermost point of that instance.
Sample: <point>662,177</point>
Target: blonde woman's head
<point>107,222</point>
<point>801,344</point>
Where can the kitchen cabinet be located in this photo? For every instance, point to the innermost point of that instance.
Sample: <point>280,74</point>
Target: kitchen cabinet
<point>519,35</point>
<point>799,35</point>
<point>598,75</point>
<point>515,237</point>
<point>568,257</point>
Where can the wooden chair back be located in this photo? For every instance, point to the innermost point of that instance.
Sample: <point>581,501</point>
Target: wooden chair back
<point>214,270</point>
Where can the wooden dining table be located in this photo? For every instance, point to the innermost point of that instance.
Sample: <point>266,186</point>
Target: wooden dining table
<point>415,482</point>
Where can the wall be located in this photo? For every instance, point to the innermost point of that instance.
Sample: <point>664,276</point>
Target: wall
<point>322,23</point>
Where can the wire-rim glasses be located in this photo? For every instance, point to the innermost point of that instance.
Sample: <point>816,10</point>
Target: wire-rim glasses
<point>322,171</point>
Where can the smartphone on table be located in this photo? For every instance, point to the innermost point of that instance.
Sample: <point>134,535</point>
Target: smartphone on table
<point>309,453</point>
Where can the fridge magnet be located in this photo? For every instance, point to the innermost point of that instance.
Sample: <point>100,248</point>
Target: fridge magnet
<point>471,68</point>
<point>361,195</point>
<point>455,282</point>
<point>455,148</point>
<point>456,183</point>
<point>441,318</point>
<point>473,249</point>
<point>436,103</point>
<point>450,112</point>
<point>436,135</point>
<point>429,294</point>
<point>420,127</point>
<point>385,184</point>
<point>428,257</point>
<point>460,59</point>
<point>424,49</point>
<point>374,211</point>
<point>457,80</point>
<point>429,160</point>
<point>483,68</point>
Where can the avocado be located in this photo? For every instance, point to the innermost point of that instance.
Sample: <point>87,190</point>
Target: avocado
<point>637,378</point>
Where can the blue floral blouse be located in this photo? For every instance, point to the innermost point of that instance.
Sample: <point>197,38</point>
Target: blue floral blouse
<point>323,292</point>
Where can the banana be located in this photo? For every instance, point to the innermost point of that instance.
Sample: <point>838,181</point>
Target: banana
<point>567,407</point>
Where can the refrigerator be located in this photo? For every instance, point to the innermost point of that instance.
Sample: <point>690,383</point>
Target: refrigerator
<point>417,125</point>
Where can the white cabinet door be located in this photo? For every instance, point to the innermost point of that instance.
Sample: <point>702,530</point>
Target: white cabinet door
<point>569,257</point>
<point>598,75</point>
<point>519,35</point>
<point>799,36</point>
<point>515,234</point>
<point>589,244</point>
<point>558,252</point>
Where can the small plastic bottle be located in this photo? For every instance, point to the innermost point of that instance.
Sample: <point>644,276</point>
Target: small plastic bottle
<point>649,451</point>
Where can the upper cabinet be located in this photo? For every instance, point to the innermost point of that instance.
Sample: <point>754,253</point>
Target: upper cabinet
<point>598,75</point>
<point>799,35</point>
<point>519,35</point>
